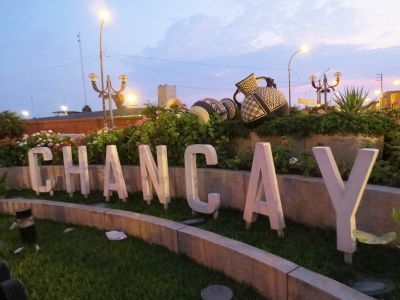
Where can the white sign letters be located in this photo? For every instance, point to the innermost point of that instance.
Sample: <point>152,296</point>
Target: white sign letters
<point>153,176</point>
<point>262,197</point>
<point>82,169</point>
<point>113,170</point>
<point>192,192</point>
<point>345,197</point>
<point>263,179</point>
<point>34,170</point>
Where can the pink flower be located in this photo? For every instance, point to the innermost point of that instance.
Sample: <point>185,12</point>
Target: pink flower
<point>184,106</point>
<point>397,121</point>
<point>321,112</point>
<point>284,142</point>
<point>139,122</point>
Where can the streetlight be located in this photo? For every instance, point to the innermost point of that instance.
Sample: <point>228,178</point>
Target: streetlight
<point>104,16</point>
<point>108,91</point>
<point>302,49</point>
<point>130,100</point>
<point>64,108</point>
<point>325,88</point>
<point>25,114</point>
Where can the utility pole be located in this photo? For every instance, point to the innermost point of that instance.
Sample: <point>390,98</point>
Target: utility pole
<point>82,70</point>
<point>379,77</point>
<point>32,106</point>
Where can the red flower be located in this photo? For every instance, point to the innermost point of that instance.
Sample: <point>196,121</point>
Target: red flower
<point>284,142</point>
<point>397,121</point>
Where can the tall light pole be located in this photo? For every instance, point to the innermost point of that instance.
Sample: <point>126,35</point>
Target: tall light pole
<point>107,91</point>
<point>104,17</point>
<point>302,49</point>
<point>379,77</point>
<point>82,69</point>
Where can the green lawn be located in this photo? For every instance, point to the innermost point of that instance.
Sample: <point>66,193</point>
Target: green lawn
<point>83,264</point>
<point>312,248</point>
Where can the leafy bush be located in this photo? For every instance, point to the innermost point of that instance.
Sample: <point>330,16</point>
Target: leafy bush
<point>178,129</point>
<point>301,125</point>
<point>10,125</point>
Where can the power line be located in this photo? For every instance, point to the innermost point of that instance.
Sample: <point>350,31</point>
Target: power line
<point>225,89</point>
<point>18,75</point>
<point>24,73</point>
<point>196,63</point>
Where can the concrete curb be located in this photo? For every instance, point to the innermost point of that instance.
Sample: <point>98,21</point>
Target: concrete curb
<point>271,275</point>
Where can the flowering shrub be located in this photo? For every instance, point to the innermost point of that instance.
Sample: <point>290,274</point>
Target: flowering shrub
<point>10,125</point>
<point>177,129</point>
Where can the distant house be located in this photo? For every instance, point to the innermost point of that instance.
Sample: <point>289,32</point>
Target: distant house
<point>83,122</point>
<point>390,99</point>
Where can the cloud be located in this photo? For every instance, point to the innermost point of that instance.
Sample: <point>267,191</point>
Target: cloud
<point>258,25</point>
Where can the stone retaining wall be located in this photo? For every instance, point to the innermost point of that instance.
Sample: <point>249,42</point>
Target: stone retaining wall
<point>271,275</point>
<point>344,146</point>
<point>304,199</point>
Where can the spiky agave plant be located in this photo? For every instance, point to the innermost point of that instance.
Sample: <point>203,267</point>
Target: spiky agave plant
<point>351,101</point>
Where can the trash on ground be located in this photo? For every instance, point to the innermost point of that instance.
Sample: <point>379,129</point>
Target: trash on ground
<point>13,226</point>
<point>68,230</point>
<point>369,238</point>
<point>116,235</point>
<point>18,250</point>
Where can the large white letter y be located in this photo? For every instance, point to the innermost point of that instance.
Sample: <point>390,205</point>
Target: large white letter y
<point>345,197</point>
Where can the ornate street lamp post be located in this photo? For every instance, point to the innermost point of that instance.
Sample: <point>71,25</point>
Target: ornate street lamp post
<point>109,92</point>
<point>324,87</point>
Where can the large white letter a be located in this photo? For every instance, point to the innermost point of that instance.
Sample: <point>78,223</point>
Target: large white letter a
<point>263,177</point>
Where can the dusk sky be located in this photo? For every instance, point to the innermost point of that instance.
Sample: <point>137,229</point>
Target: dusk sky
<point>202,47</point>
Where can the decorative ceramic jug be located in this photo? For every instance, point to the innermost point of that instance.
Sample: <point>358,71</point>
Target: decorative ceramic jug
<point>260,102</point>
<point>232,108</point>
<point>206,107</point>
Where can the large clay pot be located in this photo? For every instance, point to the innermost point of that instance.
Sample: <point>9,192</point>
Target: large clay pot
<point>260,103</point>
<point>232,108</point>
<point>206,107</point>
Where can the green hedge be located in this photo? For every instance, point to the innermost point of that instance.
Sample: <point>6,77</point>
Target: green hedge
<point>177,129</point>
<point>301,125</point>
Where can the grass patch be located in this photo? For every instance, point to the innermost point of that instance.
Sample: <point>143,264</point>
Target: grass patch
<point>313,248</point>
<point>83,264</point>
